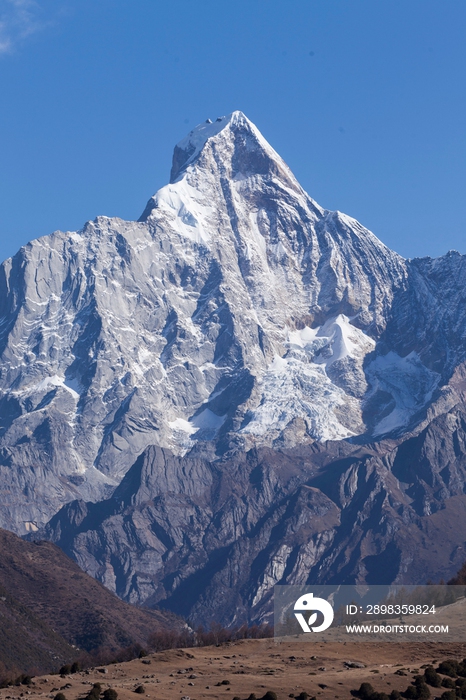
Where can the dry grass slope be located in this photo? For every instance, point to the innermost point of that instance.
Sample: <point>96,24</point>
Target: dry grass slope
<point>50,609</point>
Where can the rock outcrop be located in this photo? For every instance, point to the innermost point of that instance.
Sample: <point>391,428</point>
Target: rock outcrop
<point>209,540</point>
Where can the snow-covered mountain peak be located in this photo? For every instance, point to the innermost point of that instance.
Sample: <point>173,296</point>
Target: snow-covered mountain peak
<point>215,156</point>
<point>223,133</point>
<point>194,142</point>
<point>236,312</point>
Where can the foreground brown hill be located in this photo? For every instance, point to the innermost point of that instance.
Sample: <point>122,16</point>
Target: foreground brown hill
<point>289,668</point>
<point>50,610</point>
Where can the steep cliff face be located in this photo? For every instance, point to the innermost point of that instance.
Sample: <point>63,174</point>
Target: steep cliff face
<point>210,540</point>
<point>235,313</point>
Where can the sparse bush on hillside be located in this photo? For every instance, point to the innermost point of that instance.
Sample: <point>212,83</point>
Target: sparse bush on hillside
<point>59,696</point>
<point>432,677</point>
<point>23,679</point>
<point>423,692</point>
<point>140,689</point>
<point>449,668</point>
<point>365,691</point>
<point>160,641</point>
<point>270,695</point>
<point>110,694</point>
<point>94,693</point>
<point>448,695</point>
<point>215,635</point>
<point>419,690</point>
<point>460,578</point>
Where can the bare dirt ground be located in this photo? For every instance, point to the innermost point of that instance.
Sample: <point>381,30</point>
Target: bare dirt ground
<point>252,666</point>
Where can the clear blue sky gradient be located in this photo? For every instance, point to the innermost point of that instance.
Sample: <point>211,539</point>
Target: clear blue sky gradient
<point>364,99</point>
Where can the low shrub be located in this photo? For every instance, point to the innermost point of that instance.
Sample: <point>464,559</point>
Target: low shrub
<point>94,693</point>
<point>419,690</point>
<point>110,694</point>
<point>365,691</point>
<point>449,667</point>
<point>23,679</point>
<point>432,677</point>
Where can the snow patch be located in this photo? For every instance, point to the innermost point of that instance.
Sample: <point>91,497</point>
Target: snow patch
<point>183,425</point>
<point>208,420</point>
<point>293,388</point>
<point>186,213</point>
<point>73,386</point>
<point>333,341</point>
<point>297,386</point>
<point>48,382</point>
<point>344,340</point>
<point>408,381</point>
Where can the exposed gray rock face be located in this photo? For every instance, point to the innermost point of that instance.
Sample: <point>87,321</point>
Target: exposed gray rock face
<point>236,313</point>
<point>210,539</point>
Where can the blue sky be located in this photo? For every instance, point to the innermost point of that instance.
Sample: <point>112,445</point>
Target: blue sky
<point>364,99</point>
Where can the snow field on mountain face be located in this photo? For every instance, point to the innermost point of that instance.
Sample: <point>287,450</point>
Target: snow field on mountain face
<point>297,386</point>
<point>407,380</point>
<point>187,214</point>
<point>333,341</point>
<point>49,383</point>
<point>204,420</point>
<point>291,388</point>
